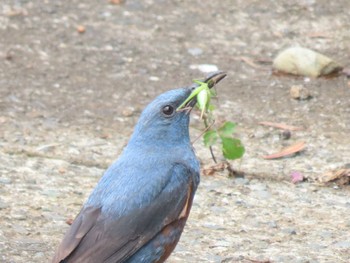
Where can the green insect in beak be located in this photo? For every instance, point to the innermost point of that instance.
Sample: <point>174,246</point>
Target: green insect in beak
<point>203,94</point>
<point>203,97</point>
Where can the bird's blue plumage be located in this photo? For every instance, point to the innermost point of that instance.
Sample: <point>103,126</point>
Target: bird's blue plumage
<point>140,173</point>
<point>138,210</point>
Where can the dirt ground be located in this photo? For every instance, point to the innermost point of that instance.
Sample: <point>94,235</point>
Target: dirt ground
<point>69,101</point>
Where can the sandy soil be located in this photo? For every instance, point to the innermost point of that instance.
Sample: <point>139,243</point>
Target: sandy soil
<point>69,101</point>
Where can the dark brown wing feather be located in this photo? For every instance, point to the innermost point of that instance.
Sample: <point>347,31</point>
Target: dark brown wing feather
<point>83,223</point>
<point>94,237</point>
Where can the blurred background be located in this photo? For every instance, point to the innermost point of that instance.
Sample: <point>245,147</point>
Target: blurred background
<point>75,75</point>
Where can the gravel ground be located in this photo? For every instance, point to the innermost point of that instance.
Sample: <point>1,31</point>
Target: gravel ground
<point>69,101</point>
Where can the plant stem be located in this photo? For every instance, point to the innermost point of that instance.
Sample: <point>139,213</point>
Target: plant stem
<point>210,147</point>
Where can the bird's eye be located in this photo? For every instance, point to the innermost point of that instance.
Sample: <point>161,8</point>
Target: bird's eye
<point>168,110</point>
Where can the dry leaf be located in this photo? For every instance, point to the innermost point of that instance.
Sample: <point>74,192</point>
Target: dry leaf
<point>286,151</point>
<point>219,167</point>
<point>250,62</point>
<point>212,169</point>
<point>339,176</point>
<point>281,126</point>
<point>319,35</point>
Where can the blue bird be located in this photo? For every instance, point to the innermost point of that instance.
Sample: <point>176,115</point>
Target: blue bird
<point>139,208</point>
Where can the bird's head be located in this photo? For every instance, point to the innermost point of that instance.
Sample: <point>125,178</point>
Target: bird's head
<point>162,122</point>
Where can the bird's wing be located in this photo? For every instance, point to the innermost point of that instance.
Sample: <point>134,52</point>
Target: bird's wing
<point>94,237</point>
<point>83,223</point>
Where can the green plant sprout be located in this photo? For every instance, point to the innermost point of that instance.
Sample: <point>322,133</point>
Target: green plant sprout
<point>232,148</point>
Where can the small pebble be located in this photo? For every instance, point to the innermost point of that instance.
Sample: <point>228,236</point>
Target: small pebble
<point>117,2</point>
<point>195,51</point>
<point>241,181</point>
<point>290,231</point>
<point>342,244</point>
<point>19,229</point>
<point>62,170</point>
<point>3,205</point>
<point>81,29</point>
<point>257,186</point>
<point>262,194</point>
<point>19,217</point>
<point>39,255</point>
<point>205,68</point>
<point>286,134</point>
<point>73,151</point>
<point>46,148</point>
<point>50,193</point>
<point>128,112</point>
<point>211,226</point>
<point>153,78</point>
<point>299,93</point>
<point>272,224</point>
<point>5,181</point>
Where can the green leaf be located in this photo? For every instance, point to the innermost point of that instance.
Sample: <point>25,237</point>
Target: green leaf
<point>227,129</point>
<point>210,138</point>
<point>211,107</point>
<point>232,148</point>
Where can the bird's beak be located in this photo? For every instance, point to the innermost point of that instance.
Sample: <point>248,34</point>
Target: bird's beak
<point>211,80</point>
<point>214,78</point>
